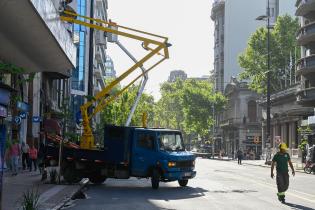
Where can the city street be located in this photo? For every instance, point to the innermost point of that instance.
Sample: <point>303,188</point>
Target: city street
<point>218,185</point>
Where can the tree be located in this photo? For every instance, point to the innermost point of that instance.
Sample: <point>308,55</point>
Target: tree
<point>188,106</point>
<point>283,51</point>
<point>116,112</point>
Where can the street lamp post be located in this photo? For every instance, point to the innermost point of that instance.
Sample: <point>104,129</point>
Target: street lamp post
<point>213,129</point>
<point>267,17</point>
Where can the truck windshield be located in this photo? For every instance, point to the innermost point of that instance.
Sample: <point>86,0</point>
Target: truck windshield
<point>171,142</point>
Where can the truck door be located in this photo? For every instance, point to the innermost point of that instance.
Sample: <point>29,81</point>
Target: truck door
<point>144,153</point>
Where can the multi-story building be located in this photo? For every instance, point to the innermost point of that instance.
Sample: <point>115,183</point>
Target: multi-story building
<point>230,39</point>
<point>305,68</point>
<point>88,77</point>
<point>177,74</point>
<point>110,68</point>
<point>37,45</point>
<point>241,125</point>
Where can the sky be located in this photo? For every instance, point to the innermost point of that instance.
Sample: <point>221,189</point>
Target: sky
<point>186,23</point>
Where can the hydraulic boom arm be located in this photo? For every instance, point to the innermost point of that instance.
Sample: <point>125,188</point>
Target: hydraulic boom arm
<point>155,44</point>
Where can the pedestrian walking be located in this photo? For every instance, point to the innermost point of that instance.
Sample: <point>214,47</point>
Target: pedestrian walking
<point>15,154</point>
<point>25,155</point>
<point>281,160</point>
<point>33,157</point>
<point>239,157</point>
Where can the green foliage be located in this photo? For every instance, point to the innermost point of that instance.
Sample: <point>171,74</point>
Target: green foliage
<point>188,106</point>
<point>302,145</point>
<point>9,68</point>
<point>303,131</point>
<point>283,54</point>
<point>30,200</point>
<point>116,112</point>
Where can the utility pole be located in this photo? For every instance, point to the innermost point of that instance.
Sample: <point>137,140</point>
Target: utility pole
<point>213,128</point>
<point>268,75</point>
<point>91,54</point>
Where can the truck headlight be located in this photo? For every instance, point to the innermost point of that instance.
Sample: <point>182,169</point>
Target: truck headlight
<point>193,163</point>
<point>171,164</point>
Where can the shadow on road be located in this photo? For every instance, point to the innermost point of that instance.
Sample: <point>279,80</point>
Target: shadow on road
<point>298,207</point>
<point>163,193</point>
<point>122,196</point>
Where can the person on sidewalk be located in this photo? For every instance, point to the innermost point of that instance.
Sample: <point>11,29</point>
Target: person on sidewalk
<point>282,159</point>
<point>239,157</point>
<point>25,155</point>
<point>15,154</point>
<point>33,157</point>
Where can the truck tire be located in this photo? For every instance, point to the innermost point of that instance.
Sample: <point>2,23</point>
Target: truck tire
<point>70,175</point>
<point>155,179</point>
<point>183,182</point>
<point>97,178</point>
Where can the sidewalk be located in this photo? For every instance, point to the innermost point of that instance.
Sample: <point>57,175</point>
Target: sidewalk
<point>50,195</point>
<point>297,166</point>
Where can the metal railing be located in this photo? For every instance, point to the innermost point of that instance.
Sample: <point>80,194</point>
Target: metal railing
<point>306,30</point>
<point>306,62</point>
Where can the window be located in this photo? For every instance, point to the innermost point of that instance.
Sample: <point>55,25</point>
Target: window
<point>252,111</point>
<point>146,141</point>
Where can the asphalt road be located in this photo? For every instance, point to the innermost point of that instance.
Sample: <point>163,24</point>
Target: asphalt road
<point>218,185</point>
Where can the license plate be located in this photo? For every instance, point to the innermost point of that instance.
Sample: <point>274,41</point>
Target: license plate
<point>187,174</point>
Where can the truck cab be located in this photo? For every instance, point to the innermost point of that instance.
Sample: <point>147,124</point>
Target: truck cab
<point>161,155</point>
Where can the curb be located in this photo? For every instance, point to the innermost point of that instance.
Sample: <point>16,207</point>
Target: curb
<point>83,184</point>
<point>266,166</point>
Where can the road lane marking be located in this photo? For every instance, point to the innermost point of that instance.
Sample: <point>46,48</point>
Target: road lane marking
<point>273,187</point>
<point>262,180</point>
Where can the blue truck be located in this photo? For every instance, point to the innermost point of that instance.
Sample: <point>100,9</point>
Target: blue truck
<point>154,153</point>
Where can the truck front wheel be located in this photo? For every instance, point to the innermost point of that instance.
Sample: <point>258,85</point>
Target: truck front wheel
<point>155,179</point>
<point>183,182</point>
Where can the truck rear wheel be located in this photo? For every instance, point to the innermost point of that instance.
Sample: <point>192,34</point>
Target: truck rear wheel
<point>155,179</point>
<point>97,178</point>
<point>183,182</point>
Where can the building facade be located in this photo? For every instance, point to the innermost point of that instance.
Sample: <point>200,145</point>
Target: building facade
<point>177,74</point>
<point>286,117</point>
<point>305,68</point>
<point>230,39</point>
<point>240,126</point>
<point>110,68</point>
<point>88,78</point>
<point>44,56</point>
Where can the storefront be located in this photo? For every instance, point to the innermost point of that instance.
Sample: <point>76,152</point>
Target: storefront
<point>5,94</point>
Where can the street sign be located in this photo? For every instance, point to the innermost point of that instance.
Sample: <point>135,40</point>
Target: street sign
<point>17,120</point>
<point>23,115</point>
<point>36,119</point>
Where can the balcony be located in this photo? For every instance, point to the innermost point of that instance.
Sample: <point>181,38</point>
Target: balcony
<point>306,34</point>
<point>33,37</point>
<point>306,96</point>
<point>304,7</point>
<point>98,73</point>
<point>306,65</point>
